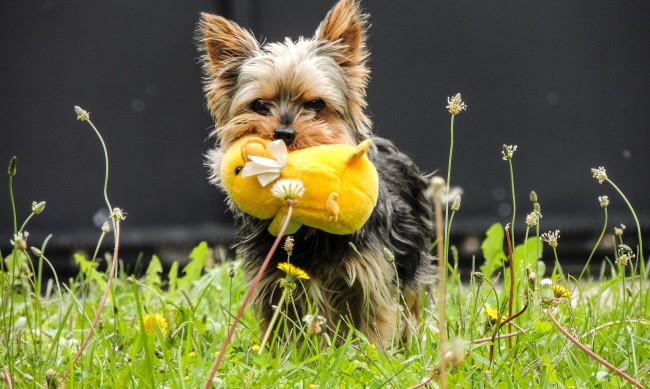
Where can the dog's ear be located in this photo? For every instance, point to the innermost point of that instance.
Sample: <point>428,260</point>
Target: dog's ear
<point>225,47</point>
<point>345,26</point>
<point>224,41</point>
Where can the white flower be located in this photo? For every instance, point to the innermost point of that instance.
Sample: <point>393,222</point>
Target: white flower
<point>20,240</point>
<point>267,170</point>
<point>287,189</point>
<point>551,238</point>
<point>533,218</point>
<point>600,174</point>
<point>604,201</point>
<point>508,151</point>
<point>618,231</point>
<point>455,105</point>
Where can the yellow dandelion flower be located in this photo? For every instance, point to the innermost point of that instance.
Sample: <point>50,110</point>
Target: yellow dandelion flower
<point>293,271</point>
<point>561,291</point>
<point>151,318</point>
<point>493,314</point>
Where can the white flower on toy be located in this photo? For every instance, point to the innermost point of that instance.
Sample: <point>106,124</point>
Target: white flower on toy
<point>267,170</point>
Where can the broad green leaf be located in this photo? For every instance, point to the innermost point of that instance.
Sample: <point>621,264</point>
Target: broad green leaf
<point>526,254</point>
<point>152,275</point>
<point>492,248</point>
<point>192,271</point>
<point>173,277</point>
<point>89,268</point>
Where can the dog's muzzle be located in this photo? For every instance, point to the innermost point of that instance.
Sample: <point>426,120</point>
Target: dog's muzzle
<point>287,134</point>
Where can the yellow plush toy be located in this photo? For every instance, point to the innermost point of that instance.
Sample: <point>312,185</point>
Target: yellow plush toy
<point>341,184</point>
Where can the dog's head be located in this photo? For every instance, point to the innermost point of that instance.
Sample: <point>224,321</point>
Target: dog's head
<point>307,92</point>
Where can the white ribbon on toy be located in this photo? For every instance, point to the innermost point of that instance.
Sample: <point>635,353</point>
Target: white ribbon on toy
<point>267,170</point>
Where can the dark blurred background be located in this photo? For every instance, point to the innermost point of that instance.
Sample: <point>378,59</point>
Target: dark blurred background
<point>568,82</point>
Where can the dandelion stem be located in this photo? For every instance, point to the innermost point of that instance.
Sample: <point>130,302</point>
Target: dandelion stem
<point>506,321</point>
<point>602,233</point>
<point>591,353</point>
<point>249,295</point>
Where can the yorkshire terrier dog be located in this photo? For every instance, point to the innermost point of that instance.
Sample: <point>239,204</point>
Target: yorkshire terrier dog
<point>308,92</point>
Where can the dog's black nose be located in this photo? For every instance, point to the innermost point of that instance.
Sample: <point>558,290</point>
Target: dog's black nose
<point>287,134</point>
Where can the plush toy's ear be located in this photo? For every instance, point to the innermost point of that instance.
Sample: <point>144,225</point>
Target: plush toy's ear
<point>358,152</point>
<point>253,147</point>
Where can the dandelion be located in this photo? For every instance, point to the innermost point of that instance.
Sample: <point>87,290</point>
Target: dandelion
<point>314,323</point>
<point>551,238</point>
<point>604,201</point>
<point>293,272</point>
<point>255,348</point>
<point>560,292</point>
<point>508,151</point>
<point>455,104</point>
<point>287,189</point>
<point>288,284</point>
<point>546,286</point>
<point>600,174</point>
<point>493,315</point>
<point>533,218</point>
<point>618,231</point>
<point>151,320</point>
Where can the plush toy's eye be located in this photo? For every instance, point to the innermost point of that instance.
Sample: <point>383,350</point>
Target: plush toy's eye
<point>315,105</point>
<point>260,107</point>
<point>238,170</point>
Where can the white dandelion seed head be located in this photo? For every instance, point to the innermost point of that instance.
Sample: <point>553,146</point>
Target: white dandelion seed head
<point>288,189</point>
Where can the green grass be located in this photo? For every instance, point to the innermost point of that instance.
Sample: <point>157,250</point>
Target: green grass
<point>193,306</point>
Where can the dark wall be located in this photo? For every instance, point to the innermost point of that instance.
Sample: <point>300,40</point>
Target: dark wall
<point>568,82</point>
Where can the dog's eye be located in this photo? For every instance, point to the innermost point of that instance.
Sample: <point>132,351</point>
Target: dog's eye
<point>315,105</point>
<point>238,170</point>
<point>260,107</point>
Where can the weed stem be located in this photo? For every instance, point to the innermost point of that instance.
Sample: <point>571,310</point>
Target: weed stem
<point>512,281</point>
<point>249,295</point>
<point>591,353</point>
<point>602,233</point>
<point>111,274</point>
